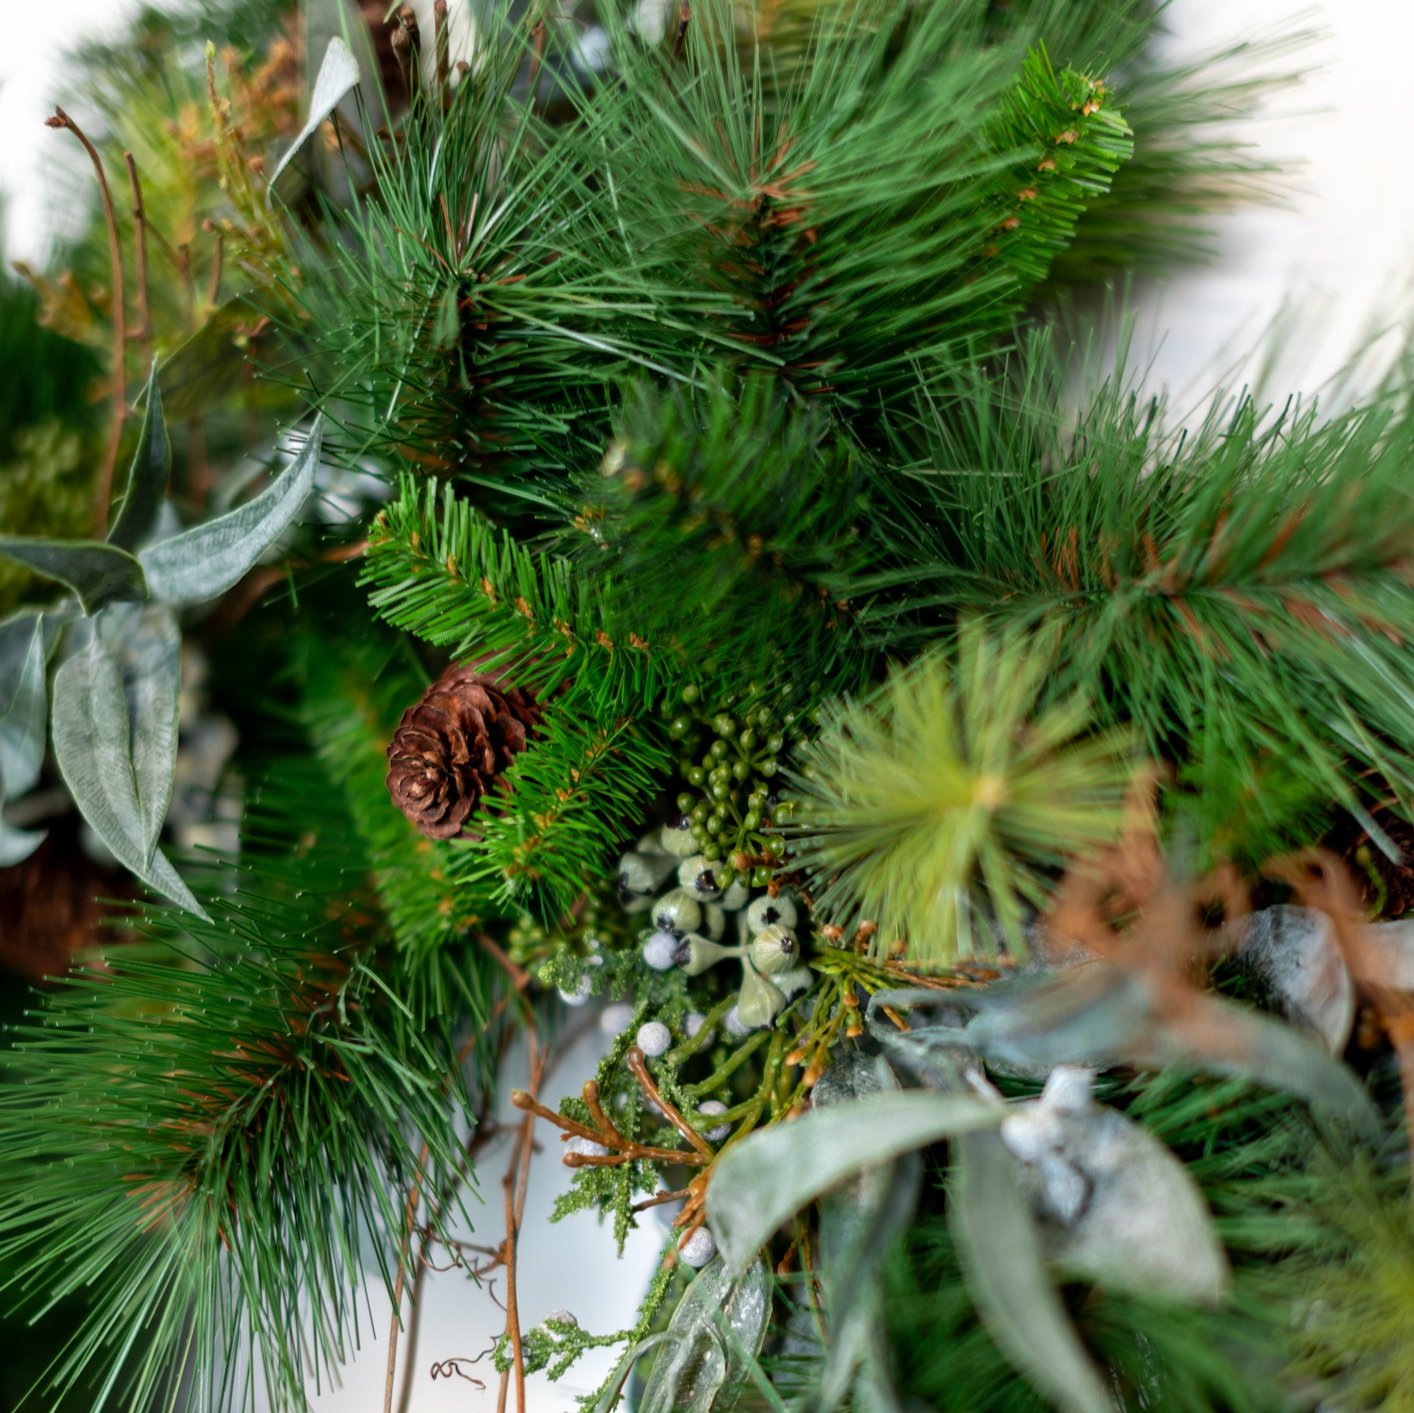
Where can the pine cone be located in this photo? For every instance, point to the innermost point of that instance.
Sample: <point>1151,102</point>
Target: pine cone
<point>450,749</point>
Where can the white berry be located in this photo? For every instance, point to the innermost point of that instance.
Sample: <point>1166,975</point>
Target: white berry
<point>613,1019</point>
<point>562,1317</point>
<point>734,1023</point>
<point>579,995</point>
<point>660,951</point>
<point>693,1024</point>
<point>584,1147</point>
<point>654,1039</point>
<point>699,1248</point>
<point>714,1106</point>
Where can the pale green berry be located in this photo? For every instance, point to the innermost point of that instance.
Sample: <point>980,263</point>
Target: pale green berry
<point>774,949</point>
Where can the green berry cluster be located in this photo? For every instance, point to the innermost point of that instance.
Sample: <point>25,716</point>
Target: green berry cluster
<point>729,755</point>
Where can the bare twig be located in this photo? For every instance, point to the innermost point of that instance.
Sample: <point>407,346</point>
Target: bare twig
<point>120,335</point>
<point>144,303</point>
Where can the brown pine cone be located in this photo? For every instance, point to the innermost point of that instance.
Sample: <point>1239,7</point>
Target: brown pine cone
<point>450,749</point>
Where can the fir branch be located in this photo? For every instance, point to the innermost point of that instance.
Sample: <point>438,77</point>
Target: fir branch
<point>576,796</point>
<point>355,690</point>
<point>439,569</point>
<point>202,1132</point>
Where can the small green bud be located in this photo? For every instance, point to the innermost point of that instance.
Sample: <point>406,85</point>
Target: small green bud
<point>702,954</point>
<point>685,802</point>
<point>774,949</point>
<point>696,776</point>
<point>691,693</point>
<point>719,748</point>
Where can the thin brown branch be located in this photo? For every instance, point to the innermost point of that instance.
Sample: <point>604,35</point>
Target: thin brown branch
<point>120,335</point>
<point>441,43</point>
<point>390,1376</point>
<point>516,1184</point>
<point>144,303</point>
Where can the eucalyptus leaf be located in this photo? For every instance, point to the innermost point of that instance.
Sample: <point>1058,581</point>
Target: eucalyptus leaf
<point>338,77</point>
<point>858,1221</point>
<point>147,476</point>
<point>1119,1208</point>
<point>761,1182</point>
<point>22,733</point>
<point>1004,1265</point>
<point>208,559</point>
<point>94,751</point>
<point>16,845</point>
<point>1099,1014</point>
<point>97,573</point>
<point>146,643</point>
<point>699,1364</point>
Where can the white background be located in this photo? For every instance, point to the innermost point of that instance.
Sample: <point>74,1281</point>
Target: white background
<point>1336,257</point>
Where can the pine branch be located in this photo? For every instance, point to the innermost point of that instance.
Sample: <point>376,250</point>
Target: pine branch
<point>730,500</point>
<point>937,808</point>
<point>439,569</point>
<point>203,1133</point>
<point>839,223</point>
<point>1241,592</point>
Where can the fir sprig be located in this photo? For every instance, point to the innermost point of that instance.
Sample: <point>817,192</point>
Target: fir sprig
<point>440,569</point>
<point>725,501</point>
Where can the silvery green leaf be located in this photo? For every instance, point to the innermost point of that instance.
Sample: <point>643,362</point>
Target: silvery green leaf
<point>22,733</point>
<point>16,845</point>
<point>146,644</point>
<point>147,476</point>
<point>858,1221</point>
<point>1004,1266</point>
<point>1120,1209</point>
<point>1099,1015</point>
<point>94,750</point>
<point>613,1388</point>
<point>761,1182</point>
<point>338,77</point>
<point>700,1364</point>
<point>97,573</point>
<point>1295,953</point>
<point>205,561</point>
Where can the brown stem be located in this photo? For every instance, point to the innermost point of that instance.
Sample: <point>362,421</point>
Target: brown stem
<point>120,334</point>
<point>441,43</point>
<point>144,303</point>
<point>634,1059</point>
<point>516,1184</point>
<point>395,1326</point>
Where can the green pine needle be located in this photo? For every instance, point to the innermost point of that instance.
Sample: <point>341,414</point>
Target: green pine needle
<point>940,806</point>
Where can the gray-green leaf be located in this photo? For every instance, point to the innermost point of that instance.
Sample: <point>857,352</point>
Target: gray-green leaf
<point>16,845</point>
<point>97,573</point>
<point>763,1181</point>
<point>147,646</point>
<point>147,476</point>
<point>338,77</point>
<point>22,732</point>
<point>699,1364</point>
<point>206,560</point>
<point>1004,1265</point>
<point>94,751</point>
